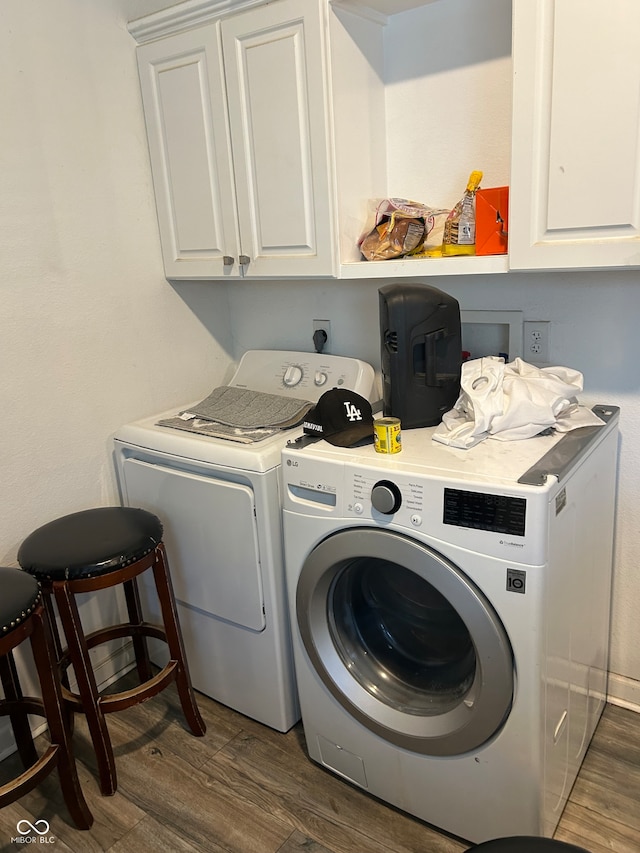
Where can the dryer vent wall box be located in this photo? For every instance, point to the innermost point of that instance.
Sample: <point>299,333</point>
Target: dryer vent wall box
<point>466,622</point>
<point>492,333</point>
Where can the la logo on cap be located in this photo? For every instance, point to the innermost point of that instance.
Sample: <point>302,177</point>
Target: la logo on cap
<point>353,412</point>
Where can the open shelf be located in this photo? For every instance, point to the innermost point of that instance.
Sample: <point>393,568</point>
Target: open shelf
<point>405,267</point>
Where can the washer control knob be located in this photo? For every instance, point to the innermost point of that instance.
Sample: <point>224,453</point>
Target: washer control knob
<point>320,378</point>
<point>386,497</point>
<point>292,375</point>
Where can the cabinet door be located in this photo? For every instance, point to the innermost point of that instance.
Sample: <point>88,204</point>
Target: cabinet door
<point>275,72</point>
<point>575,185</point>
<point>185,111</point>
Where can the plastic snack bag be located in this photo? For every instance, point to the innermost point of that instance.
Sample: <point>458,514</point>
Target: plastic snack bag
<point>400,228</point>
<point>460,228</point>
<point>432,246</point>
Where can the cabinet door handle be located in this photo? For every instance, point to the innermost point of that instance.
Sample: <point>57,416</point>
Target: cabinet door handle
<point>228,261</point>
<point>244,260</point>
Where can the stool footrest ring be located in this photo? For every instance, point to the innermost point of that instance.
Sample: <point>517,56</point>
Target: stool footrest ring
<point>105,635</point>
<point>110,702</point>
<point>127,698</point>
<point>30,704</point>
<point>116,632</point>
<point>30,778</point>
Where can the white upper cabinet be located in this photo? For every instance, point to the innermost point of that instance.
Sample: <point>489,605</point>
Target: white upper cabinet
<point>237,128</point>
<point>275,73</point>
<point>275,128</point>
<point>182,90</point>
<point>575,188</point>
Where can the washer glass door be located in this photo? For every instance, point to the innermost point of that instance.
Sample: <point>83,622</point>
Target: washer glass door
<point>405,641</point>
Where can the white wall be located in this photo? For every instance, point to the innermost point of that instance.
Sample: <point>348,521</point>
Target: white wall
<point>91,333</point>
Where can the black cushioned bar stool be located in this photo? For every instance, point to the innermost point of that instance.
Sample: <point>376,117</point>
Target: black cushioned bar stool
<point>23,617</point>
<point>526,844</point>
<point>95,550</point>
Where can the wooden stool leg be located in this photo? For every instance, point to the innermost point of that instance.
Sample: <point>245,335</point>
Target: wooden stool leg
<point>141,650</point>
<point>87,687</point>
<point>47,600</point>
<point>19,719</point>
<point>175,643</point>
<point>53,625</point>
<point>46,664</point>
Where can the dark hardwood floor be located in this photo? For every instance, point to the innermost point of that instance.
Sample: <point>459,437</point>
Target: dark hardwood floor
<point>246,789</point>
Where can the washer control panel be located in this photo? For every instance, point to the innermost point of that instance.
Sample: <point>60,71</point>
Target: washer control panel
<point>509,524</point>
<point>481,511</point>
<point>400,499</point>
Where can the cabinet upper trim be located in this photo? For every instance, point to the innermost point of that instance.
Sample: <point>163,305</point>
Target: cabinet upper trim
<point>185,16</point>
<point>193,13</point>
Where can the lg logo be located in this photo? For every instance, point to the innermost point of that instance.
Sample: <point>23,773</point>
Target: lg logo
<point>353,412</point>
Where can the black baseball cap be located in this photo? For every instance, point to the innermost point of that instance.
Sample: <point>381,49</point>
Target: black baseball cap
<point>341,417</point>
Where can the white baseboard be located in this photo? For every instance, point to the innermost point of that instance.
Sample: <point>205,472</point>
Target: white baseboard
<point>624,692</point>
<point>106,672</point>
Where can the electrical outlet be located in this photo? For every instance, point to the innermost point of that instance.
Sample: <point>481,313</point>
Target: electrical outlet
<point>535,345</point>
<point>323,326</point>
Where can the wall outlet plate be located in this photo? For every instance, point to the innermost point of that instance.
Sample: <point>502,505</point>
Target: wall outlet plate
<point>323,325</point>
<point>536,341</point>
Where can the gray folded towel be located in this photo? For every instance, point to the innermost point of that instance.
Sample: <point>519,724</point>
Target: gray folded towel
<point>241,407</point>
<point>216,430</point>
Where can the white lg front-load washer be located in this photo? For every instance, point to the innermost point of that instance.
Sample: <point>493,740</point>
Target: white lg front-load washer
<point>219,502</point>
<point>450,614</point>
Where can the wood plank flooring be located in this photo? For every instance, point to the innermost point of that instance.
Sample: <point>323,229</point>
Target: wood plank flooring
<point>246,789</point>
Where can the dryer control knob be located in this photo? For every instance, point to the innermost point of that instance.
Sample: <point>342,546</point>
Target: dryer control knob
<point>292,375</point>
<point>386,497</point>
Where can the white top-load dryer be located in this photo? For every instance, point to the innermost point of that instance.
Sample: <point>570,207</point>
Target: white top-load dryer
<point>450,613</point>
<point>219,501</point>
